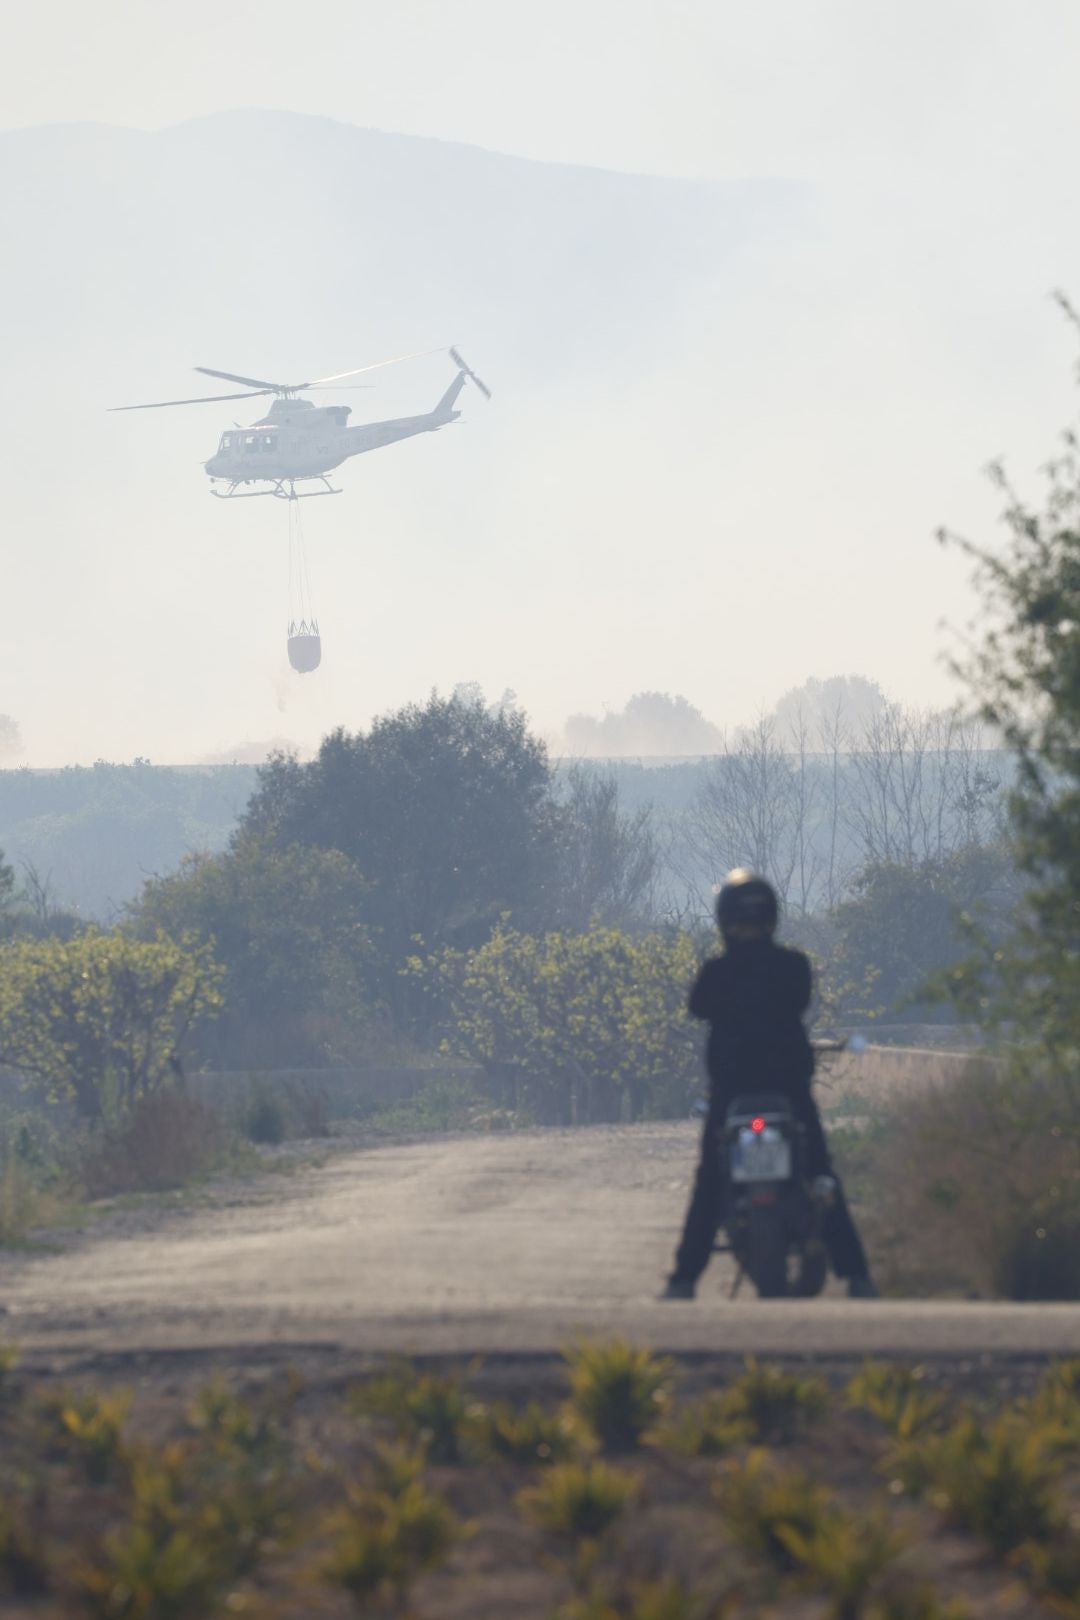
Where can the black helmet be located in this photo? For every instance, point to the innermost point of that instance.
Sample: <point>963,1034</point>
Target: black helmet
<point>746,906</point>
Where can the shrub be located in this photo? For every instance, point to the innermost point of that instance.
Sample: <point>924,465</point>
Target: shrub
<point>199,1518</point>
<point>651,1600</point>
<point>165,1140</point>
<point>579,1500</point>
<point>1053,1568</point>
<point>231,1425</point>
<point>766,1507</point>
<point>619,1390</point>
<point>384,1540</point>
<point>9,1360</point>
<point>24,1204</point>
<point>977,1184</point>
<point>846,1554</point>
<point>527,1434</point>
<point>264,1120</point>
<point>772,1404</point>
<point>431,1409</point>
<point>22,1567</point>
<point>89,1428</point>
<point>671,1600</point>
<point>99,1018</point>
<point>704,1428</point>
<point>997,1479</point>
<point>896,1396</point>
<point>915,1601</point>
<point>1056,1404</point>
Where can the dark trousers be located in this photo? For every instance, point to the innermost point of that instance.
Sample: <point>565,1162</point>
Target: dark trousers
<point>707,1208</point>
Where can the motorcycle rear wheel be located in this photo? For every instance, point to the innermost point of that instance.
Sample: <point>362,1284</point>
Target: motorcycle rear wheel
<point>813,1270</point>
<point>766,1259</point>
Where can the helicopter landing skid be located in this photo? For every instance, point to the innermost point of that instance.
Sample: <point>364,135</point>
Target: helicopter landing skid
<point>284,490</point>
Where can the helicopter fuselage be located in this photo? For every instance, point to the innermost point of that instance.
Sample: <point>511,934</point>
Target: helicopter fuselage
<point>297,439</point>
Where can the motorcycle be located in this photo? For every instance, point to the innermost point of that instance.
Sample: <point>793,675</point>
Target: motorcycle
<point>775,1211</point>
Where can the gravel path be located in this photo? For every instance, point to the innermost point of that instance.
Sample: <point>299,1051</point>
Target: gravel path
<point>505,1242</point>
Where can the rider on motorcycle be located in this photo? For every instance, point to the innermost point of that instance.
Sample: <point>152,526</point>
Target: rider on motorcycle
<point>753,997</point>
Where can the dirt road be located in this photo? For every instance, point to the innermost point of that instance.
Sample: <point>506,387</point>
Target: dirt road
<point>511,1242</point>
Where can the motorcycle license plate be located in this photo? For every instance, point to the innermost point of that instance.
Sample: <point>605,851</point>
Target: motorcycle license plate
<point>760,1156</point>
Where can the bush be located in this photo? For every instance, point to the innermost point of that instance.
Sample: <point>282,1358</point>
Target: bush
<point>704,1428</point>
<point>429,1409</point>
<point>619,1390</point>
<point>22,1567</point>
<point>579,1500</point>
<point>896,1396</point>
<point>773,1405</point>
<point>9,1360</point>
<point>766,1507</point>
<point>264,1120</point>
<point>977,1185</point>
<point>89,1428</point>
<point>385,1539</point>
<point>527,1434</point>
<point>846,1554</point>
<point>165,1140</point>
<point>997,1479</point>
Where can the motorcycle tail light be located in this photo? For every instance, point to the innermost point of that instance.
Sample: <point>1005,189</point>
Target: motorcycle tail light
<point>757,1124</point>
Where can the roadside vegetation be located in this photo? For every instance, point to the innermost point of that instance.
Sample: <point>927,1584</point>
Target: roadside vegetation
<point>459,1492</point>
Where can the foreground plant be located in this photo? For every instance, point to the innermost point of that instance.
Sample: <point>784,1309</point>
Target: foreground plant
<point>385,1539</point>
<point>774,1405</point>
<point>527,1434</point>
<point>998,1479</point>
<point>163,1564</point>
<point>9,1360</point>
<point>579,1500</point>
<point>23,1572</point>
<point>89,1427</point>
<point>431,1409</point>
<point>846,1554</point>
<point>619,1390</point>
<point>703,1428</point>
<point>772,1510</point>
<point>896,1396</point>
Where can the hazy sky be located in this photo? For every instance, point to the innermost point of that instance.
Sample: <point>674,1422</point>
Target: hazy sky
<point>937,133</point>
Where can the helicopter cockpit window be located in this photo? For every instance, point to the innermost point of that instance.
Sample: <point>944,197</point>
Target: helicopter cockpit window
<point>226,441</point>
<point>251,442</point>
<point>269,441</point>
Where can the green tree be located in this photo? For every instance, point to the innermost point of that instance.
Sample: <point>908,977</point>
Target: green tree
<point>445,809</point>
<point>7,898</point>
<point>1025,676</point>
<point>902,925</point>
<point>287,926</point>
<point>588,1026</point>
<point>101,1018</point>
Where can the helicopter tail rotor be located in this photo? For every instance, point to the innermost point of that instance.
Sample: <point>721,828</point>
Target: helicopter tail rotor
<point>470,373</point>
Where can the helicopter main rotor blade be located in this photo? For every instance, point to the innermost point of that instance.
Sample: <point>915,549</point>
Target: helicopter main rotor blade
<point>249,382</point>
<point>206,399</point>
<point>375,366</point>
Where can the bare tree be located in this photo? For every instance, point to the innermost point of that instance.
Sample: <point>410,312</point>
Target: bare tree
<point>921,787</point>
<point>609,859</point>
<point>745,810</point>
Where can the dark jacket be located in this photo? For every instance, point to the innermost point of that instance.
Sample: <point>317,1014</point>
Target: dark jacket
<point>753,998</point>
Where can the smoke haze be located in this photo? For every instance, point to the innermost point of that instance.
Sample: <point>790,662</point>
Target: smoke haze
<point>735,392</point>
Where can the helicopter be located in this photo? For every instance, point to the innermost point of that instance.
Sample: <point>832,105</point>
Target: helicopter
<point>299,442</point>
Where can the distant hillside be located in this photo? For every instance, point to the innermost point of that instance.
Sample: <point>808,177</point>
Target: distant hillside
<point>150,618</point>
<point>285,241</point>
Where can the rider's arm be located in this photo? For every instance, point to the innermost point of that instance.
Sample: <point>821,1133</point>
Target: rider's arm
<point>802,981</point>
<point>702,999</point>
